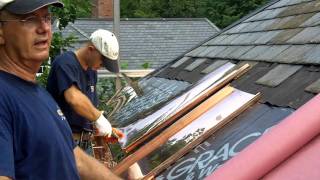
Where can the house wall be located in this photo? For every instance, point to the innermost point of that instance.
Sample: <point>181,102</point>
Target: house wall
<point>102,8</point>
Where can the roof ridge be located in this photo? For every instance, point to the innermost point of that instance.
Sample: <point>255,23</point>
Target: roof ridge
<point>80,31</point>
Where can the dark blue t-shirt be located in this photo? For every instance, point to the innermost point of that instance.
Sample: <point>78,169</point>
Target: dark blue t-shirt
<point>35,138</point>
<point>66,71</point>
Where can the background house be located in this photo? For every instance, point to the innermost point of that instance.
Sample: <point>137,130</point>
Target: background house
<point>152,41</point>
<point>144,43</point>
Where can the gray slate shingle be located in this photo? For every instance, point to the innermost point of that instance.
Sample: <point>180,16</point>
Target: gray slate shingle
<point>284,33</point>
<point>156,41</point>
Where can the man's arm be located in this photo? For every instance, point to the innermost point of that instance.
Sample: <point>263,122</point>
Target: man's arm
<point>83,106</point>
<point>81,103</point>
<point>89,168</point>
<point>5,178</point>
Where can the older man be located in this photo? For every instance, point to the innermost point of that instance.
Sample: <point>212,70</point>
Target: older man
<point>35,138</point>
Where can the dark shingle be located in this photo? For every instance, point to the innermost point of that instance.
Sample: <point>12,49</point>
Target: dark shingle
<point>272,52</point>
<point>294,54</point>
<point>313,56</point>
<point>265,37</point>
<point>279,23</point>
<point>300,8</point>
<point>284,36</point>
<point>254,52</point>
<point>314,20</point>
<point>216,50</point>
<point>181,61</point>
<point>195,64</point>
<point>240,50</point>
<point>216,64</point>
<point>247,38</point>
<point>306,36</point>
<point>314,87</point>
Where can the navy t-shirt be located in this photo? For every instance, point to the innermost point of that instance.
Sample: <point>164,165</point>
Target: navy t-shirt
<point>66,71</point>
<point>35,138</point>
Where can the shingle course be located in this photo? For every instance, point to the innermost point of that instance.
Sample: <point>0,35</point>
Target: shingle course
<point>156,40</point>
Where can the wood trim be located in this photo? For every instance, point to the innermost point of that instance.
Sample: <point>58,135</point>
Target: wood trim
<point>173,129</point>
<point>200,139</point>
<point>223,82</point>
<point>130,73</point>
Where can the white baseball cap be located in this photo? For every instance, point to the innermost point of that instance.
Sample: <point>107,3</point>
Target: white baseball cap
<point>4,2</point>
<point>107,44</point>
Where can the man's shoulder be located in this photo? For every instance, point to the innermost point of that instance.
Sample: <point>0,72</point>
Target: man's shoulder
<point>4,84</point>
<point>11,87</point>
<point>7,80</point>
<point>65,58</point>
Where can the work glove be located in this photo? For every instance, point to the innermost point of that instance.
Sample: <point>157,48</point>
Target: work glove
<point>103,126</point>
<point>115,137</point>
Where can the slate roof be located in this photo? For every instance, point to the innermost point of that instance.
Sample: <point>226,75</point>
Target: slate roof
<point>281,41</point>
<point>156,41</point>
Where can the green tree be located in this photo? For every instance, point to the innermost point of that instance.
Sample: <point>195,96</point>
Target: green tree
<point>225,12</point>
<point>220,12</point>
<point>71,10</point>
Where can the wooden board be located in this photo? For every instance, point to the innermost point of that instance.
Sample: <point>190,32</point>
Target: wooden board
<point>173,129</point>
<point>191,145</point>
<point>214,88</point>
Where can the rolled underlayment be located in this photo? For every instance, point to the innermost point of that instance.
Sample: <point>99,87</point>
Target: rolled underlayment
<point>304,164</point>
<point>275,146</point>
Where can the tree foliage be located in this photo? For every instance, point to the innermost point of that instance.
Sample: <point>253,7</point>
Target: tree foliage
<point>220,12</point>
<point>72,10</point>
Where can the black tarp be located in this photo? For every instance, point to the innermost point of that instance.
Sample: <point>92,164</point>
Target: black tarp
<point>226,143</point>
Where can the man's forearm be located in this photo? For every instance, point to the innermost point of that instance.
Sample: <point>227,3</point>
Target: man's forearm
<point>81,104</point>
<point>89,168</point>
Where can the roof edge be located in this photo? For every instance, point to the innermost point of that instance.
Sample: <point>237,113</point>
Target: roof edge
<point>213,25</point>
<point>144,19</point>
<point>79,31</point>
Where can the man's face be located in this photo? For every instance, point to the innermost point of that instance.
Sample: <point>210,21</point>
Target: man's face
<point>27,41</point>
<point>96,59</point>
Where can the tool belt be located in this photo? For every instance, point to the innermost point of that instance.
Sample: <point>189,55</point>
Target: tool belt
<point>84,141</point>
<point>82,136</point>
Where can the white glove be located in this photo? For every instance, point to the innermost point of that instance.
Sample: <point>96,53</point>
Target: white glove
<point>103,125</point>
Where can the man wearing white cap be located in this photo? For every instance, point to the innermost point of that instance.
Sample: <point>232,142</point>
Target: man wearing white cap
<point>35,139</point>
<point>72,83</point>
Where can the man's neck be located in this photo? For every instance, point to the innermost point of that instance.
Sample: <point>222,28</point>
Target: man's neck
<point>14,67</point>
<point>81,57</point>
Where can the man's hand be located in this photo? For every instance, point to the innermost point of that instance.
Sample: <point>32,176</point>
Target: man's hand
<point>116,135</point>
<point>103,126</point>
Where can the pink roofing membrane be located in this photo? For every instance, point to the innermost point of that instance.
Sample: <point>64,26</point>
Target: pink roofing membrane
<point>275,146</point>
<point>304,164</point>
